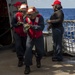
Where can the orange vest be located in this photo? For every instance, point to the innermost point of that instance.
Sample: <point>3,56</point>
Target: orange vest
<point>33,33</point>
<point>19,29</point>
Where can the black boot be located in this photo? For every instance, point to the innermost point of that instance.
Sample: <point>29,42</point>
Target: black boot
<point>20,62</point>
<point>27,70</point>
<point>38,63</point>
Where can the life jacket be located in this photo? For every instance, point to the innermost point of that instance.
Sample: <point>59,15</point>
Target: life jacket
<point>33,33</point>
<point>19,29</point>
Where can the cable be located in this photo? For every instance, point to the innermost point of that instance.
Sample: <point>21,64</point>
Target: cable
<point>6,32</point>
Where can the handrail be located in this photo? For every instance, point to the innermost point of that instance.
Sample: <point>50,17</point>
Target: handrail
<point>69,20</point>
<point>69,32</point>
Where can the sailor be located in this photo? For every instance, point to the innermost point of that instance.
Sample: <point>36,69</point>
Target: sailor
<point>56,23</point>
<point>19,35</point>
<point>34,25</point>
<point>17,6</point>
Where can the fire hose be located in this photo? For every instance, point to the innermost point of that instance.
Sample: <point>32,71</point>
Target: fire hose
<point>6,32</point>
<point>27,27</point>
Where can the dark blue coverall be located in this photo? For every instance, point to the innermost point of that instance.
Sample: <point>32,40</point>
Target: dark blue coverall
<point>20,40</point>
<point>57,31</point>
<point>38,42</point>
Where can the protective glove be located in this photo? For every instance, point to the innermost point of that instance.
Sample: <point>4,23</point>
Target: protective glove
<point>19,23</point>
<point>26,27</point>
<point>48,21</point>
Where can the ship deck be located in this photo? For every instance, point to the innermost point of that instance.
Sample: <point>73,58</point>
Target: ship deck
<point>8,65</point>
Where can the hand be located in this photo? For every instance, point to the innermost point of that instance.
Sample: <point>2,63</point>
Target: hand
<point>19,23</point>
<point>26,27</point>
<point>48,21</point>
<point>49,27</point>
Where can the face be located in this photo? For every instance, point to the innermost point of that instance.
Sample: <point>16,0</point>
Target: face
<point>24,11</point>
<point>54,8</point>
<point>32,16</point>
<point>18,7</point>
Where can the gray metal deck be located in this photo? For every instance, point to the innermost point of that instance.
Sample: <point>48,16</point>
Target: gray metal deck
<point>8,65</point>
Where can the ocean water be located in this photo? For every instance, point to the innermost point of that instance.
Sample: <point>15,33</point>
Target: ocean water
<point>69,14</point>
<point>69,35</point>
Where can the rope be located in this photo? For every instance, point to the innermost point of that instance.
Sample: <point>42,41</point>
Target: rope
<point>11,28</point>
<point>6,32</point>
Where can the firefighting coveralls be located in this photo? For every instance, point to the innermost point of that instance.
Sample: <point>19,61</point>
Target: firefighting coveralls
<point>57,30</point>
<point>19,36</point>
<point>34,37</point>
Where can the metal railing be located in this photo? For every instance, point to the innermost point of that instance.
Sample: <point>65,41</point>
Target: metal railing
<point>68,38</point>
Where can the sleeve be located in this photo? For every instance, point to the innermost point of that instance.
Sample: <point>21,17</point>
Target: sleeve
<point>14,22</point>
<point>40,25</point>
<point>24,20</point>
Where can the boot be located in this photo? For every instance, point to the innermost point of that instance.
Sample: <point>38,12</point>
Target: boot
<point>27,70</point>
<point>38,63</point>
<point>20,62</point>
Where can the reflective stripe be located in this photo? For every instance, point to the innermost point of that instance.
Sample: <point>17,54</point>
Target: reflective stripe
<point>29,20</point>
<point>37,19</point>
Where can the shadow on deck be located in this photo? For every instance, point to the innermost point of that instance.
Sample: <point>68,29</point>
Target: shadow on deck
<point>8,65</point>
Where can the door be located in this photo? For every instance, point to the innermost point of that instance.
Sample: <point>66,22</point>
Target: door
<point>5,37</point>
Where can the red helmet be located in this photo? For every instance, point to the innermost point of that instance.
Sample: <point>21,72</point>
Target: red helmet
<point>56,2</point>
<point>17,4</point>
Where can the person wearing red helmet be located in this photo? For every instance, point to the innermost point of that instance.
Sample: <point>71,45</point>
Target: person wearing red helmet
<point>34,25</point>
<point>56,23</point>
<point>19,35</point>
<point>23,9</point>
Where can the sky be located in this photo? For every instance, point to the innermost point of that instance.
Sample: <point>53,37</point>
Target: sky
<point>48,3</point>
